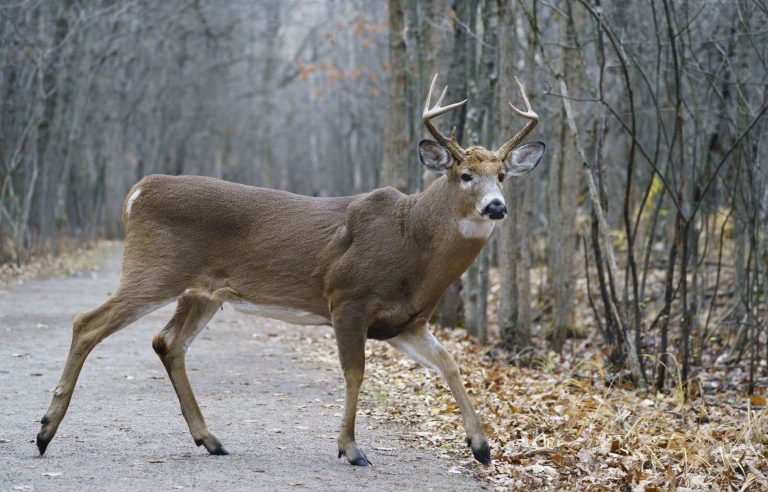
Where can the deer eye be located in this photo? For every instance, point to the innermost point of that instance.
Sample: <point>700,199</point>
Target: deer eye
<point>466,177</point>
<point>501,177</point>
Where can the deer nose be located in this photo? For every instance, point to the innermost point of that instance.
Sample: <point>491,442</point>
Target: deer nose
<point>496,210</point>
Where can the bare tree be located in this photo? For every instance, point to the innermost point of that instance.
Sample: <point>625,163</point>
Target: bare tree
<point>394,166</point>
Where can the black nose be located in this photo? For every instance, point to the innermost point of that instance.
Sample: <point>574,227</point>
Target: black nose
<point>495,210</point>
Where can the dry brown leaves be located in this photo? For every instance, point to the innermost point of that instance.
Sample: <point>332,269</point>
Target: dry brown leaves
<point>558,429</point>
<point>74,261</point>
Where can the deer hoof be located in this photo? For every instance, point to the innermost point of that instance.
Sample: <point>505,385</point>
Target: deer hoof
<point>42,443</point>
<point>482,452</point>
<point>361,461</point>
<point>219,451</point>
<point>357,458</point>
<point>213,446</point>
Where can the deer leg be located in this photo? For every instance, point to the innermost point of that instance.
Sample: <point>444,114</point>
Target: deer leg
<point>192,315</point>
<point>88,330</point>
<point>350,338</point>
<point>423,347</point>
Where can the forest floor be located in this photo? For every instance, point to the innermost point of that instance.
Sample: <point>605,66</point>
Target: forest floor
<point>276,400</point>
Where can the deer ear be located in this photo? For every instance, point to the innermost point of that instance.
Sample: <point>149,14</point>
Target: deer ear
<point>525,158</point>
<point>434,156</point>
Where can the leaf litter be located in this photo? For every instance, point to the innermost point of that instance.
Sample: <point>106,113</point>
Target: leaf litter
<point>564,427</point>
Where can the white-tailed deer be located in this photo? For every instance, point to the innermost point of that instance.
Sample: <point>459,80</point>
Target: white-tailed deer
<point>372,265</point>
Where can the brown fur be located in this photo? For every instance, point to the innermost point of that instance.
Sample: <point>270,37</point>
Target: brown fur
<point>375,265</point>
<point>200,233</point>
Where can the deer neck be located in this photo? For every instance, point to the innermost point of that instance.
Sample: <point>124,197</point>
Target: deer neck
<point>438,211</point>
<point>435,222</point>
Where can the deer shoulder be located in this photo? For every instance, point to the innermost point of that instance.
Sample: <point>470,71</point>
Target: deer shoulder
<point>377,267</point>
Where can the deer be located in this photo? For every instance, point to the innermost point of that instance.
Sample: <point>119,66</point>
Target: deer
<point>373,266</point>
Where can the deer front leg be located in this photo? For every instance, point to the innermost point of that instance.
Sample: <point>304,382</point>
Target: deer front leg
<point>423,347</point>
<point>351,334</point>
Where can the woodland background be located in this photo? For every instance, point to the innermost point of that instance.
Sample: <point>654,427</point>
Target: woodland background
<point>642,233</point>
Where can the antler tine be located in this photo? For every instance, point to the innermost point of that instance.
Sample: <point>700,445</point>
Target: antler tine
<point>429,95</point>
<point>449,143</point>
<point>529,114</point>
<point>442,96</point>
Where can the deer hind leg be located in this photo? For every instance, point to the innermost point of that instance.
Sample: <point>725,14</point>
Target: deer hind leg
<point>350,338</point>
<point>88,330</point>
<point>424,348</point>
<point>193,313</point>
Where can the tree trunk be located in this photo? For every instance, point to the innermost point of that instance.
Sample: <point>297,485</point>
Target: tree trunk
<point>516,327</point>
<point>394,167</point>
<point>514,337</point>
<point>563,187</point>
<point>457,91</point>
<point>482,91</point>
<point>266,151</point>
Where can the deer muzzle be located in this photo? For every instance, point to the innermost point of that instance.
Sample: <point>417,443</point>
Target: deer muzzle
<point>496,210</point>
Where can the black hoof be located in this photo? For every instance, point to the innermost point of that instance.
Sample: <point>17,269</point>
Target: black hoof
<point>42,443</point>
<point>219,451</point>
<point>483,453</point>
<point>216,449</point>
<point>362,460</point>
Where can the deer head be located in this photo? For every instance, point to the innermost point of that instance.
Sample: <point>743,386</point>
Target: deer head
<point>478,173</point>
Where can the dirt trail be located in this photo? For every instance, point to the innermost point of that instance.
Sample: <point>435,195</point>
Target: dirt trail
<point>277,415</point>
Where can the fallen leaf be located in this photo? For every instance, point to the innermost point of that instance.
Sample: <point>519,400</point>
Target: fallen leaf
<point>757,400</point>
<point>585,456</point>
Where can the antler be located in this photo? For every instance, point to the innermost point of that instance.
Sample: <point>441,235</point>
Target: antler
<point>449,143</point>
<point>529,114</point>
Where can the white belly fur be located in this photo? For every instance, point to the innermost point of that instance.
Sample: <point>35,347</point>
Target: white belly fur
<point>289,315</point>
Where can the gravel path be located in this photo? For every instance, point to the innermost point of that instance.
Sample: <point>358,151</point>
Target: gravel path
<point>277,415</point>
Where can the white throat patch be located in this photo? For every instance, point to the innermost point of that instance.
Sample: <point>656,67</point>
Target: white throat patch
<point>476,228</point>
